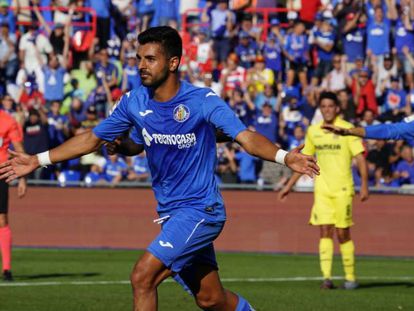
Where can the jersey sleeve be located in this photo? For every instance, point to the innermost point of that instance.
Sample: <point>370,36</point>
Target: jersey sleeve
<point>355,145</point>
<point>136,136</point>
<point>218,113</point>
<point>402,130</point>
<point>309,148</point>
<point>116,124</point>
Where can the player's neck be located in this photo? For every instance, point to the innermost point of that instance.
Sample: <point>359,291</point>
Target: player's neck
<point>167,90</point>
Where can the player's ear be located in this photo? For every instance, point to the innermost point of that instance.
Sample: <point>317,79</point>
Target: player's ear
<point>174,63</point>
<point>338,109</point>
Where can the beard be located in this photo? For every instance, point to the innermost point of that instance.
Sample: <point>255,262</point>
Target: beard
<point>155,81</point>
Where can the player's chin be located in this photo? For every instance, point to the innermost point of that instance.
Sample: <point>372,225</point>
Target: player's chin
<point>146,82</point>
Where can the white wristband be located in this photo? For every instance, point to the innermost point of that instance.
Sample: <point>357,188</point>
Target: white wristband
<point>44,159</point>
<point>280,156</point>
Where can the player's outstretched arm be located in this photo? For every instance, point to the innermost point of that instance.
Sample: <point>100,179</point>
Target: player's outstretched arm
<point>355,131</point>
<point>259,146</point>
<point>401,130</point>
<point>22,164</point>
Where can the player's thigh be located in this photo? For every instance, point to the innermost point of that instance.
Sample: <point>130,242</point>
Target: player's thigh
<point>182,238</point>
<point>343,211</point>
<point>149,271</point>
<point>323,212</point>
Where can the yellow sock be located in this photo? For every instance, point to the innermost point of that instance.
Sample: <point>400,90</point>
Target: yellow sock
<point>326,249</point>
<point>348,260</point>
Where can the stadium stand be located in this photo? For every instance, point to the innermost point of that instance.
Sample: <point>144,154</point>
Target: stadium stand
<point>65,63</point>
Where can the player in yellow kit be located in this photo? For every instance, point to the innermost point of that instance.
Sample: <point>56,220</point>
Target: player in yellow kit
<point>334,188</point>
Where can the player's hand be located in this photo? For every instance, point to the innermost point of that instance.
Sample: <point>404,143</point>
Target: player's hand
<point>21,188</point>
<point>19,165</point>
<point>283,194</point>
<point>113,147</point>
<point>335,129</point>
<point>301,163</point>
<point>363,193</point>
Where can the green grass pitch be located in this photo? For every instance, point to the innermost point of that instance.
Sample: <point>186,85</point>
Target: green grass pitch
<point>88,280</point>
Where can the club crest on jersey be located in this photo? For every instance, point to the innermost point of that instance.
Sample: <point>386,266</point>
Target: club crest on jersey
<point>181,113</point>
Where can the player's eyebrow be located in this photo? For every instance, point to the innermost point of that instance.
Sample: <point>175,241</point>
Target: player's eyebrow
<point>148,56</point>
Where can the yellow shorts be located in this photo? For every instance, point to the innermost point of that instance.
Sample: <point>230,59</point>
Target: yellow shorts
<point>329,210</point>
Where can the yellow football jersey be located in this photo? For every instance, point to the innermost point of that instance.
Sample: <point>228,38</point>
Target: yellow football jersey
<point>334,154</point>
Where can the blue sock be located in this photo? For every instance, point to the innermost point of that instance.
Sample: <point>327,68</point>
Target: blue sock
<point>243,305</point>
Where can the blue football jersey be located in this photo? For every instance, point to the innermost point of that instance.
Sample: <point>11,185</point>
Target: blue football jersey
<point>180,143</point>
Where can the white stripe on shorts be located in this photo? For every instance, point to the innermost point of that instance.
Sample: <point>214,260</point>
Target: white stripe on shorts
<point>199,223</point>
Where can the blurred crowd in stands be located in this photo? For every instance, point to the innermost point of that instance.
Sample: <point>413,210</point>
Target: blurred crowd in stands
<point>59,78</point>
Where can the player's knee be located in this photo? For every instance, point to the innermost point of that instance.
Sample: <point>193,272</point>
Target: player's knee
<point>141,279</point>
<point>210,301</point>
<point>344,235</point>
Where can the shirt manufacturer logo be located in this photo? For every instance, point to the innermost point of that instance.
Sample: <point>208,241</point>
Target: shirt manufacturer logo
<point>144,113</point>
<point>181,113</point>
<point>166,244</point>
<point>211,94</point>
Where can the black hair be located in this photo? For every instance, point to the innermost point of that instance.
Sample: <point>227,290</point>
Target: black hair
<point>329,95</point>
<point>166,36</point>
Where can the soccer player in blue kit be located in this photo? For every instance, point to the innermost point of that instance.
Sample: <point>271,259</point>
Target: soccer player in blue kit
<point>175,123</point>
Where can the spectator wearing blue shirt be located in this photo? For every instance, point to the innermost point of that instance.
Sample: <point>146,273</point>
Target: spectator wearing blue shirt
<point>290,117</point>
<point>115,169</point>
<point>296,51</point>
<point>77,113</point>
<point>405,168</point>
<point>103,26</point>
<point>353,39</point>
<point>308,104</point>
<point>266,122</point>
<point>58,125</point>
<point>246,167</point>
<point>7,16</point>
<point>222,21</point>
<point>139,170</point>
<point>395,105</point>
<point>297,138</point>
<point>166,12</point>
<point>146,11</point>
<point>378,35</point>
<point>387,7</point>
<point>130,77</point>
<point>272,53</point>
<point>276,32</point>
<point>324,41</point>
<point>267,96</point>
<point>105,69</point>
<point>404,43</point>
<point>242,106</point>
<point>54,75</point>
<point>99,98</point>
<point>246,50</point>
